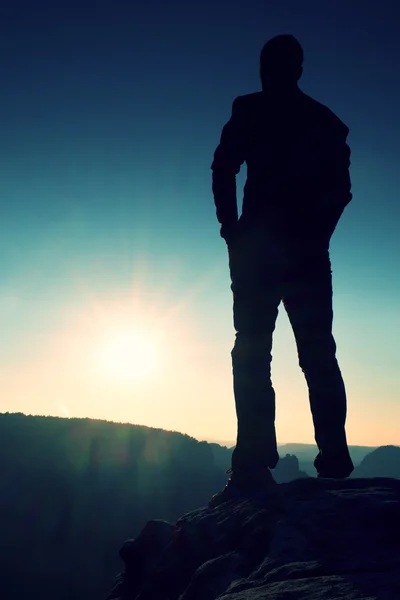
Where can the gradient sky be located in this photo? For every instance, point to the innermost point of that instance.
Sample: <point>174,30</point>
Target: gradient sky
<point>110,114</point>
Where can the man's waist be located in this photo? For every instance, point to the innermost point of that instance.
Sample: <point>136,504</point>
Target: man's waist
<point>280,209</point>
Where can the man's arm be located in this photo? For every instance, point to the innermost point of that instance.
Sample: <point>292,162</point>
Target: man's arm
<point>339,182</point>
<point>228,158</point>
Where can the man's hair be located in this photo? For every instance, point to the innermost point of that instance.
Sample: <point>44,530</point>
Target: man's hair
<point>282,58</point>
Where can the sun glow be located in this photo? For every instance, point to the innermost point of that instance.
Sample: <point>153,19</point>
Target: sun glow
<point>128,355</point>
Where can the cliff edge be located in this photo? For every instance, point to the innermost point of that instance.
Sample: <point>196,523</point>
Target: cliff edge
<point>313,539</point>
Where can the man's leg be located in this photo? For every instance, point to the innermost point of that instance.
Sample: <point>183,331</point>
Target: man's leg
<point>308,302</point>
<point>256,297</point>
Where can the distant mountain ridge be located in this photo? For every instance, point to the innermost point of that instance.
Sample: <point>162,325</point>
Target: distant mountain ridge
<point>305,454</point>
<point>382,462</point>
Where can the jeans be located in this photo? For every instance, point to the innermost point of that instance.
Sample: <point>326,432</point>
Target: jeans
<point>266,270</point>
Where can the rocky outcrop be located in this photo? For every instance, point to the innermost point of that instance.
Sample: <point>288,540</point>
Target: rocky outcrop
<point>288,469</point>
<point>313,539</point>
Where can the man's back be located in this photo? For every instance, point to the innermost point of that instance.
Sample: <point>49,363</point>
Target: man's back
<point>297,160</point>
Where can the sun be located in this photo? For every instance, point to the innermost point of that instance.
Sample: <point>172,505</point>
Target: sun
<point>127,355</point>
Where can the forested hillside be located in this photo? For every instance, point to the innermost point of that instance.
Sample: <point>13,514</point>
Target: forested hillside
<point>74,489</point>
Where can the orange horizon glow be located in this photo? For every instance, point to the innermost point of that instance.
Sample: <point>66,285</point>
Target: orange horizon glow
<point>182,380</point>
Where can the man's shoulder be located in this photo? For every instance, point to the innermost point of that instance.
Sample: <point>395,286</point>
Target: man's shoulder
<point>247,101</point>
<point>323,112</point>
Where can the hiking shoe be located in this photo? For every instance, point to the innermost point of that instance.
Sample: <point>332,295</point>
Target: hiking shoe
<point>334,466</point>
<point>256,486</point>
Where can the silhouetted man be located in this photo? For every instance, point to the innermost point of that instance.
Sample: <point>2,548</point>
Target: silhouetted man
<point>297,187</point>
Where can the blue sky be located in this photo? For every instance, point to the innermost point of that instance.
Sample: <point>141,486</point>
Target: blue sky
<point>110,114</point>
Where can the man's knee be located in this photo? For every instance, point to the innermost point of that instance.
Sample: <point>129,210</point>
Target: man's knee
<point>318,355</point>
<point>250,346</point>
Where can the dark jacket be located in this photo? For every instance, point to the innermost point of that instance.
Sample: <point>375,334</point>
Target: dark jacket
<point>297,157</point>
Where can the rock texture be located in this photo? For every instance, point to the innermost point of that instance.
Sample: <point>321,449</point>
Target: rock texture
<point>313,540</point>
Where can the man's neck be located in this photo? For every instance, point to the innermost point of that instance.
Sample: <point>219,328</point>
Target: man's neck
<point>281,90</point>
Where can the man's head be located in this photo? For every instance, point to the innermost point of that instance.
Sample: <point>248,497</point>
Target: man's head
<point>281,62</point>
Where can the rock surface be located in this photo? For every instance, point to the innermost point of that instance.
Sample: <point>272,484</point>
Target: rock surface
<point>313,540</point>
